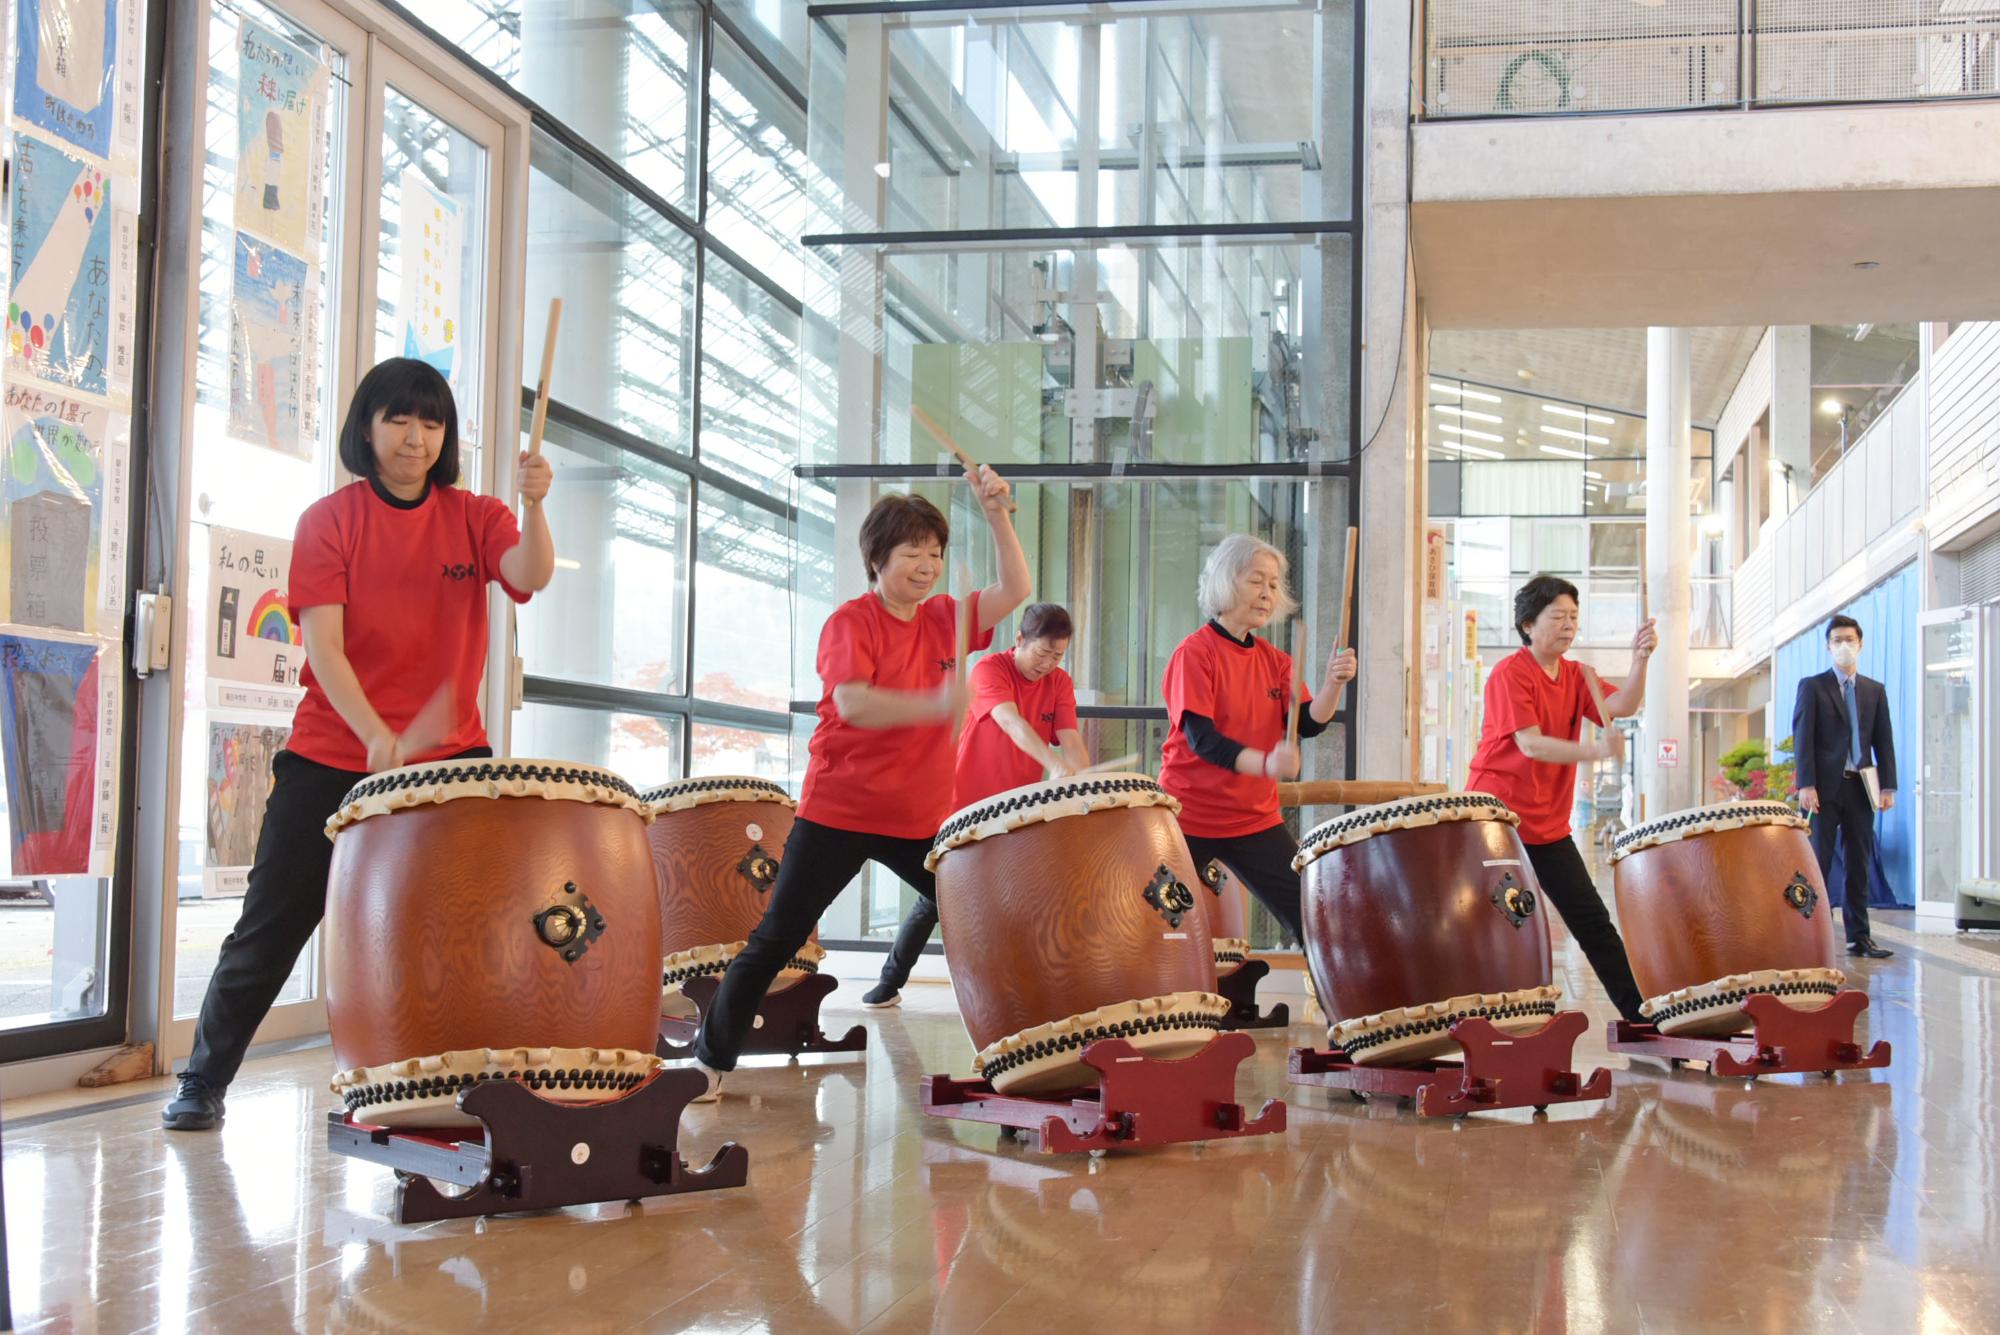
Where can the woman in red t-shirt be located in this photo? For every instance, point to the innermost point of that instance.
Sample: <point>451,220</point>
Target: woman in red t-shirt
<point>1228,694</point>
<point>388,579</point>
<point>1536,701</point>
<point>1021,728</point>
<point>879,780</point>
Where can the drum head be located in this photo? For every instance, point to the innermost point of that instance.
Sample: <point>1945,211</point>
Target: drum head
<point>1406,813</point>
<point>505,776</point>
<point>1706,820</point>
<point>688,793</point>
<point>1052,799</point>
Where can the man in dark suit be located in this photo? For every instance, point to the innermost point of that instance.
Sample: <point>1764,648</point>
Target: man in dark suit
<point>1840,726</point>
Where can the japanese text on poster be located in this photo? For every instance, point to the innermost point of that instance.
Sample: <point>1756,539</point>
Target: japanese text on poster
<point>254,637</point>
<point>432,246</point>
<point>281,130</point>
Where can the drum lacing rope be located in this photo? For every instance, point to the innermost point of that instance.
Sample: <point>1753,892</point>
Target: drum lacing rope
<point>1747,813</point>
<point>1051,1047</point>
<point>668,791</point>
<point>447,1086</point>
<point>1422,806</point>
<point>486,770</point>
<point>1418,1029</point>
<point>708,968</point>
<point>1735,997</point>
<point>1088,788</point>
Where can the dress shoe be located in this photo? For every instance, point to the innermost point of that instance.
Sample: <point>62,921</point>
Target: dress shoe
<point>1867,948</point>
<point>196,1107</point>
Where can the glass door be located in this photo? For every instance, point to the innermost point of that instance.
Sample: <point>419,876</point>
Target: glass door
<point>348,206</point>
<point>1955,806</point>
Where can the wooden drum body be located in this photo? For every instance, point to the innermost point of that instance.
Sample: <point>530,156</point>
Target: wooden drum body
<point>1418,914</point>
<point>1072,912</point>
<point>717,845</point>
<point>489,920</point>
<point>1228,914</point>
<point>1718,903</point>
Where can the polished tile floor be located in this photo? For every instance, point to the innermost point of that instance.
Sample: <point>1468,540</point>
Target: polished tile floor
<point>1870,1203</point>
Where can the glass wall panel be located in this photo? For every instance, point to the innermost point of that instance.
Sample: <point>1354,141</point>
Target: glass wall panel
<point>642,749</point>
<point>749,381</point>
<point>757,167</point>
<point>735,748</point>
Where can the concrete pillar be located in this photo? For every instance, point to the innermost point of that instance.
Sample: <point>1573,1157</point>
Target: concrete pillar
<point>1790,476</point>
<point>1668,570</point>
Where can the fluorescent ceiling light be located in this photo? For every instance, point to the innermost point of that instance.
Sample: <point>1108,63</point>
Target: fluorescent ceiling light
<point>1466,412</point>
<point>1567,454</point>
<point>1481,396</point>
<point>1468,431</point>
<point>1577,413</point>
<point>1446,389</point>
<point>1576,435</point>
<point>1594,477</point>
<point>1831,407</point>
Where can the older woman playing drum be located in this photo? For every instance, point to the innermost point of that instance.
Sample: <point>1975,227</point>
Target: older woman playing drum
<point>1021,728</point>
<point>1229,696</point>
<point>878,784</point>
<point>1536,701</point>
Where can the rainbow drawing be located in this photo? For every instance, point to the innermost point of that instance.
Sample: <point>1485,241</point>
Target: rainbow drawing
<point>270,619</point>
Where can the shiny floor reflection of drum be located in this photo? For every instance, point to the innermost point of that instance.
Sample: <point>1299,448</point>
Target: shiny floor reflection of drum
<point>1420,913</point>
<point>1072,912</point>
<point>489,920</point>
<point>1720,902</point>
<point>717,843</point>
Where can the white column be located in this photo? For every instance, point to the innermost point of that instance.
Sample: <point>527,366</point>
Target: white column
<point>1668,570</point>
<point>865,144</point>
<point>1791,417</point>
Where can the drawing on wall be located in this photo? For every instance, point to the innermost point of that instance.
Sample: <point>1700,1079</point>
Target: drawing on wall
<point>240,756</point>
<point>255,637</point>
<point>267,349</point>
<point>59,307</point>
<point>432,241</point>
<point>65,77</point>
<point>48,734</point>
<point>280,119</point>
<point>52,508</point>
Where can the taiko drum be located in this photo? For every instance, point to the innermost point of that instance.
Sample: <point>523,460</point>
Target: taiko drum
<point>489,920</point>
<point>1718,903</point>
<point>1073,912</point>
<point>717,846</point>
<point>1228,914</point>
<point>1419,913</point>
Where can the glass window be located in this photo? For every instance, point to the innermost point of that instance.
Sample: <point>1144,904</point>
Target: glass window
<point>992,124</point>
<point>616,611</point>
<point>757,167</point>
<point>642,749</point>
<point>1857,372</point>
<point>739,748</point>
<point>742,642</point>
<point>626,277</point>
<point>619,75</point>
<point>749,381</point>
<point>777,28</point>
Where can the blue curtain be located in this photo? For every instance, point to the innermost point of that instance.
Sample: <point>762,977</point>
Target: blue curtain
<point>1888,617</point>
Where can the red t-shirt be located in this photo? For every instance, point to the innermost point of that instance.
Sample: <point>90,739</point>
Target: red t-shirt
<point>1520,695</point>
<point>988,760</point>
<point>412,578</point>
<point>890,781</point>
<point>1244,690</point>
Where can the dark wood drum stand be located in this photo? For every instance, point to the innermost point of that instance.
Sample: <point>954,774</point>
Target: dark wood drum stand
<point>787,1021</point>
<point>538,1155</point>
<point>1499,1071</point>
<point>1239,988</point>
<point>1139,1101</point>
<point>1782,1040</point>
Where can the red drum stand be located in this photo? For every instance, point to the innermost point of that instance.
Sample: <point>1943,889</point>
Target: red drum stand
<point>1239,988</point>
<point>1499,1071</point>
<point>536,1154</point>
<point>1782,1040</point>
<point>787,1021</point>
<point>1139,1101</point>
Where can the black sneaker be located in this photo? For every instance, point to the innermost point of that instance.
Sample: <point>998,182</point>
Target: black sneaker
<point>1867,949</point>
<point>197,1107</point>
<point>881,995</point>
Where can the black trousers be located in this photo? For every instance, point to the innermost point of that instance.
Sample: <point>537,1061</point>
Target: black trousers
<point>1846,814</point>
<point>1264,862</point>
<point>283,903</point>
<point>818,862</point>
<point>1567,884</point>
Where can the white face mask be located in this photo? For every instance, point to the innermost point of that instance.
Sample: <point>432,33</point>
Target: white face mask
<point>1846,656</point>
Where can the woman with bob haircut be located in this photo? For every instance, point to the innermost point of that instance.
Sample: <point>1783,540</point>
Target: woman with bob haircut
<point>878,783</point>
<point>1536,701</point>
<point>1021,729</point>
<point>1228,695</point>
<point>388,580</point>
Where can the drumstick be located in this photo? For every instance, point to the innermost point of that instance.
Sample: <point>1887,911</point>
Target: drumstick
<point>1347,594</point>
<point>964,581</point>
<point>1298,684</point>
<point>925,421</point>
<point>542,387</point>
<point>431,725</point>
<point>1125,761</point>
<point>1596,696</point>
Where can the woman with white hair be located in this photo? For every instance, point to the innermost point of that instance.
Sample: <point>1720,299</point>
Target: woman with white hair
<point>1228,693</point>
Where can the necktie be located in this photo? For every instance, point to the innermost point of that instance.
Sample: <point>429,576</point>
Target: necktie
<point>1853,724</point>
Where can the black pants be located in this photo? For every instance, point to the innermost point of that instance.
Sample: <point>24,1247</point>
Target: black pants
<point>1567,884</point>
<point>1846,814</point>
<point>284,902</point>
<point>911,938</point>
<point>1264,862</point>
<point>818,863</point>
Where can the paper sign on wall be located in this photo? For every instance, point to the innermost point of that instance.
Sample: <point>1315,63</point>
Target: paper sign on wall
<point>253,636</point>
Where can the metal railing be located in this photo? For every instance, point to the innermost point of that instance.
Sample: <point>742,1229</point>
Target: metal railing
<point>1574,57</point>
<point>1610,611</point>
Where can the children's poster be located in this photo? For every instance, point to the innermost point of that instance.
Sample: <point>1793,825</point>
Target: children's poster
<point>59,307</point>
<point>48,734</point>
<point>66,77</point>
<point>281,95</point>
<point>240,756</point>
<point>52,511</point>
<point>267,349</point>
<point>432,240</point>
<point>254,637</point>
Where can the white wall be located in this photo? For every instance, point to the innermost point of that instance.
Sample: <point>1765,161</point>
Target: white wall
<point>1964,422</point>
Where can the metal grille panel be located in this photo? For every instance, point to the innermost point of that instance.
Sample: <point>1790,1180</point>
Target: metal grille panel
<point>1554,57</point>
<point>1875,50</point>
